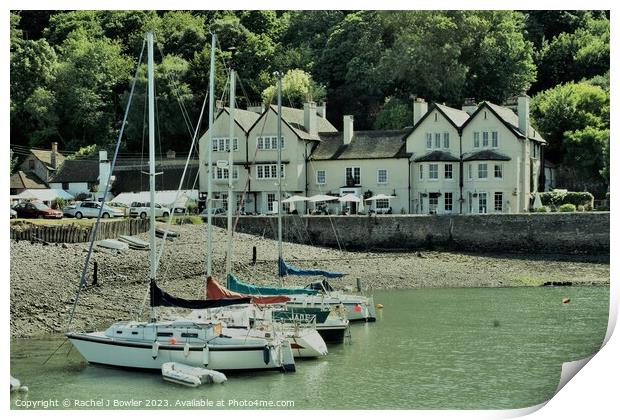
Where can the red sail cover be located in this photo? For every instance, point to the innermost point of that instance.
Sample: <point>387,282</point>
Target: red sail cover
<point>217,291</point>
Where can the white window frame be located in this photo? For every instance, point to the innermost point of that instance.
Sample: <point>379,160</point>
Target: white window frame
<point>482,166</point>
<point>421,172</point>
<point>470,171</point>
<point>483,209</point>
<point>269,142</point>
<point>221,144</point>
<point>437,140</point>
<point>269,171</point>
<point>433,168</point>
<point>494,139</point>
<point>433,205</point>
<point>271,198</point>
<point>318,176</point>
<point>446,140</point>
<point>379,181</point>
<point>429,141</point>
<point>221,174</point>
<point>476,139</point>
<point>353,170</point>
<point>501,202</point>
<point>501,171</point>
<point>445,202</point>
<point>445,171</point>
<point>382,204</point>
<point>485,139</point>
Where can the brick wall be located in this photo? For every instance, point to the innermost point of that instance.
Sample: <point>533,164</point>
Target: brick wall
<point>534,232</point>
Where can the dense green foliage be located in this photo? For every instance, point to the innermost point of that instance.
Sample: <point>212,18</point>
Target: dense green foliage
<point>557,198</point>
<point>71,70</point>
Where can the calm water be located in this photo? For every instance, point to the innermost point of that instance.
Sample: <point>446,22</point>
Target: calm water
<point>431,348</point>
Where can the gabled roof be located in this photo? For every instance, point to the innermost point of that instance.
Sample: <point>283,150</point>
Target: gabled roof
<point>510,120</point>
<point>132,179</point>
<point>244,119</point>
<point>26,180</point>
<point>294,119</point>
<point>45,156</point>
<point>455,117</point>
<point>437,156</point>
<point>376,144</point>
<point>485,155</point>
<point>78,170</point>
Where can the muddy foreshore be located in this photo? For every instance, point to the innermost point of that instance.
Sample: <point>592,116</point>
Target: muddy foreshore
<point>44,278</point>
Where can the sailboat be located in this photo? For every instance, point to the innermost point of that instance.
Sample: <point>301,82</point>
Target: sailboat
<point>148,345</point>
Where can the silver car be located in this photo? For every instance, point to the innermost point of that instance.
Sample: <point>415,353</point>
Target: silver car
<point>91,209</point>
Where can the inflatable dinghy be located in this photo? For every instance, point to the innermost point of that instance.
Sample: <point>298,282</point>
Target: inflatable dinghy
<point>179,373</point>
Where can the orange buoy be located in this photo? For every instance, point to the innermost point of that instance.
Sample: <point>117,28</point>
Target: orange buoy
<point>566,300</point>
<point>173,340</point>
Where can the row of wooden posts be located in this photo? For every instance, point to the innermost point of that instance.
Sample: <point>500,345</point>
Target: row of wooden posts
<point>71,233</point>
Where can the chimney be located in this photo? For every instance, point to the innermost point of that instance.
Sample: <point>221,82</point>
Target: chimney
<point>469,105</point>
<point>171,154</point>
<point>310,123</point>
<point>523,112</point>
<point>347,129</point>
<point>53,154</point>
<point>321,110</point>
<point>420,108</point>
<point>104,169</point>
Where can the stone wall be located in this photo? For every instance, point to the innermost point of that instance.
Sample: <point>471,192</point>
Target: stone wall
<point>563,233</point>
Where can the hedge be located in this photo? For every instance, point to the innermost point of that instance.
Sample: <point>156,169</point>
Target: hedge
<point>557,198</point>
<point>567,208</point>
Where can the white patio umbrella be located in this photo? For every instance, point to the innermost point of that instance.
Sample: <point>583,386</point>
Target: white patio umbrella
<point>322,197</point>
<point>295,198</point>
<point>380,197</point>
<point>351,198</point>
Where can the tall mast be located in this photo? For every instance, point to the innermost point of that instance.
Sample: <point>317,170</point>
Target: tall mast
<point>151,96</point>
<point>279,201</point>
<point>231,200</point>
<point>209,157</point>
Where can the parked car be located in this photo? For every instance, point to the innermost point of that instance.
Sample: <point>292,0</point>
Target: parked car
<point>124,208</point>
<point>36,210</point>
<point>214,211</point>
<point>13,214</point>
<point>143,210</point>
<point>91,209</point>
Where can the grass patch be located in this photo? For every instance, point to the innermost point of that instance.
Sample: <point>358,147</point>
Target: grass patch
<point>187,220</point>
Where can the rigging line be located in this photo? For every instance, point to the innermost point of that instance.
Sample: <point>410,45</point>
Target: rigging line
<point>105,193</point>
<point>331,222</point>
<point>144,119</point>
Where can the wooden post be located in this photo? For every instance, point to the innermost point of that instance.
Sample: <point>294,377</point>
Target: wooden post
<point>254,255</point>
<point>95,273</point>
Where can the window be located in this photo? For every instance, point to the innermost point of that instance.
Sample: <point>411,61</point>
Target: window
<point>437,140</point>
<point>271,198</point>
<point>482,171</point>
<point>485,139</point>
<point>494,139</point>
<point>476,139</point>
<point>269,171</point>
<point>223,144</point>
<point>447,171</point>
<point>382,176</point>
<point>499,201</point>
<point>482,202</point>
<point>320,177</point>
<point>433,202</point>
<point>269,142</point>
<point>446,140</point>
<point>222,173</point>
<point>352,176</point>
<point>470,200</point>
<point>65,186</point>
<point>421,203</point>
<point>382,204</point>
<point>429,141</point>
<point>447,201</point>
<point>498,171</point>
<point>470,170</point>
<point>421,171</point>
<point>433,171</point>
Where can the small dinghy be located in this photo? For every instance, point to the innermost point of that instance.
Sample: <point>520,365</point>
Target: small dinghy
<point>179,373</point>
<point>113,244</point>
<point>170,233</point>
<point>134,243</point>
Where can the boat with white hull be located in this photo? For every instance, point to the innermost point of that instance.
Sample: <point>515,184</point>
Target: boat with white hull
<point>150,345</point>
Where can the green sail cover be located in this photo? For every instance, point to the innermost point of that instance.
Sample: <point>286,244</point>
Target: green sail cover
<point>238,286</point>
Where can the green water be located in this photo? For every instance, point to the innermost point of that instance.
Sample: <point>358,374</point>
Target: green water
<point>430,348</point>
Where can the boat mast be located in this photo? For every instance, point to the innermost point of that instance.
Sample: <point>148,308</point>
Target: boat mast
<point>279,201</point>
<point>151,96</point>
<point>209,162</point>
<point>231,136</point>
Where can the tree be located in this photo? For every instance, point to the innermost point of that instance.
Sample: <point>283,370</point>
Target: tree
<point>395,114</point>
<point>297,88</point>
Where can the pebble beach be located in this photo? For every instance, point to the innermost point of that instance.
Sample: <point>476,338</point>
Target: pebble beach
<point>44,278</point>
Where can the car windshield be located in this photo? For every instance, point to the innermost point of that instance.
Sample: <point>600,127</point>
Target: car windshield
<point>40,206</point>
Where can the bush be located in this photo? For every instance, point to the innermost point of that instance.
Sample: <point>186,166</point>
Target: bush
<point>543,209</point>
<point>188,220</point>
<point>192,208</point>
<point>567,208</point>
<point>59,203</point>
<point>559,197</point>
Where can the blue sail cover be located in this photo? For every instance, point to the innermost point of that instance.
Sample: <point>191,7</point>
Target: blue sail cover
<point>285,269</point>
<point>238,286</point>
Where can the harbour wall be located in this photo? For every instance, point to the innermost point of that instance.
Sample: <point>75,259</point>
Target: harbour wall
<point>551,233</point>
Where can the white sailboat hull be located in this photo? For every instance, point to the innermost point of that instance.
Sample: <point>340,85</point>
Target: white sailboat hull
<point>99,349</point>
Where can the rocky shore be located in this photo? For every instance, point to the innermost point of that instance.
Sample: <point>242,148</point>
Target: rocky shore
<point>44,278</point>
